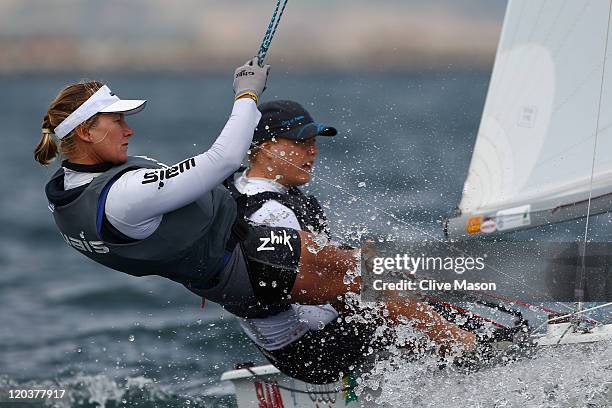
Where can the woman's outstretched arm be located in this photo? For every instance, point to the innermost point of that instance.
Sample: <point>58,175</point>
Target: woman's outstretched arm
<point>137,200</point>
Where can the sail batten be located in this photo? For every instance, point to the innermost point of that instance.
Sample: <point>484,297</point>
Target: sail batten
<point>549,93</point>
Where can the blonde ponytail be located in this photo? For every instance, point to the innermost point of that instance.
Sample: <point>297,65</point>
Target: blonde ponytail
<point>46,151</point>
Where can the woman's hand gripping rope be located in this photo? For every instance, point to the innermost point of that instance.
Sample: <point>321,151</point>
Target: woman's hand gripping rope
<point>250,80</point>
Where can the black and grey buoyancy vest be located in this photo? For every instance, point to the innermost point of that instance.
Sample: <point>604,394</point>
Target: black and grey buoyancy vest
<point>187,247</point>
<point>306,208</point>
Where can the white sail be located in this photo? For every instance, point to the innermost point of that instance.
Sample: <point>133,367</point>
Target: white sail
<point>550,96</point>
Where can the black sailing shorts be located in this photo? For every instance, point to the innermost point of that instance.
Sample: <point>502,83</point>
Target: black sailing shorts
<point>272,255</point>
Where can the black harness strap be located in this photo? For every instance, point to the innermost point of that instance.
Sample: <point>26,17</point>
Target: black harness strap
<point>307,209</point>
<point>240,232</point>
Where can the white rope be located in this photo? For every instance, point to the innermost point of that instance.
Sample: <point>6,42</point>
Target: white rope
<point>574,314</point>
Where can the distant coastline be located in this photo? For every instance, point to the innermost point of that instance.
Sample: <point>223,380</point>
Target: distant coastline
<point>202,37</point>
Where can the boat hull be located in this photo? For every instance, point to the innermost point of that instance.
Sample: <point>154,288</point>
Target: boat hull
<point>266,387</point>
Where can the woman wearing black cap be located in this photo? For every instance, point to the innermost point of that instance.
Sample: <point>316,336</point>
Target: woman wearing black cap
<point>313,343</point>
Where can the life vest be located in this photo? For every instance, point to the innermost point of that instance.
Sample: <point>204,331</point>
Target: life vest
<point>188,246</point>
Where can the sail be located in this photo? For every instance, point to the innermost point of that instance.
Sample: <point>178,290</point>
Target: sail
<point>549,105</point>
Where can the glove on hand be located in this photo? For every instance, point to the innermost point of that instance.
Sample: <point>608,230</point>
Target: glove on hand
<point>250,79</point>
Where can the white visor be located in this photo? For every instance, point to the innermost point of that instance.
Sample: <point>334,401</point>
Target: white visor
<point>103,101</point>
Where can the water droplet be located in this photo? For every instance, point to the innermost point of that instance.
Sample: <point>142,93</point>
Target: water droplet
<point>267,127</point>
<point>273,284</point>
<point>131,337</point>
<point>269,168</point>
<point>403,319</point>
<point>348,278</point>
<point>262,283</point>
<point>361,184</point>
<point>282,153</point>
<point>321,325</point>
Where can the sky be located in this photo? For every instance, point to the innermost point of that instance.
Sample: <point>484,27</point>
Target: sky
<point>207,35</point>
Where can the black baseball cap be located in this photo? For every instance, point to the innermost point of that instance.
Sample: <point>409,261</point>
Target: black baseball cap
<point>289,120</point>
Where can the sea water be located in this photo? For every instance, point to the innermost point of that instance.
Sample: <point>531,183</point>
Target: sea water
<point>397,166</point>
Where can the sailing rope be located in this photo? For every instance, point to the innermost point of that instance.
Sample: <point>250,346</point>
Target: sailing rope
<point>570,315</point>
<point>581,272</point>
<point>267,40</point>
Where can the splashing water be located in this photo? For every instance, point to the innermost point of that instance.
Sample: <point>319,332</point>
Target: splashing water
<point>563,377</point>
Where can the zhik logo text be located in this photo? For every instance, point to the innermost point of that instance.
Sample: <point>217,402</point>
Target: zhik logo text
<point>267,244</point>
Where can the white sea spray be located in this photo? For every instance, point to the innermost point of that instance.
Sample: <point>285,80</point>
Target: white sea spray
<point>563,377</point>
